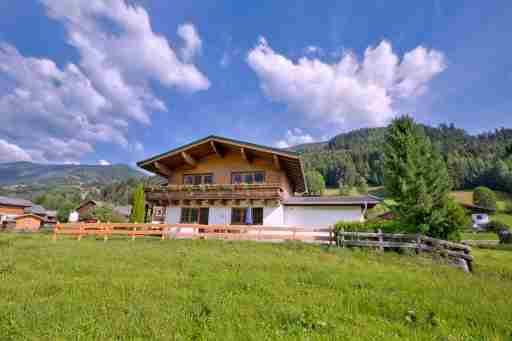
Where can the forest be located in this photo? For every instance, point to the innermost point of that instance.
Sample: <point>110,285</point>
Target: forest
<point>472,160</point>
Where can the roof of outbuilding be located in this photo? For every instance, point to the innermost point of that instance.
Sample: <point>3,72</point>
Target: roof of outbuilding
<point>36,209</point>
<point>29,216</point>
<point>15,202</point>
<point>332,200</point>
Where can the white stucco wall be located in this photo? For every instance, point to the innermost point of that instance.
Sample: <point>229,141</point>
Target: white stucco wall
<point>320,215</point>
<point>273,216</point>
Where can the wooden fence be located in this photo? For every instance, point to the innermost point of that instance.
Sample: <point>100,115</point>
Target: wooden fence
<point>458,254</point>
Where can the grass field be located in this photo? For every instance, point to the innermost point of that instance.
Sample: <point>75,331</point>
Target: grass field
<point>214,290</point>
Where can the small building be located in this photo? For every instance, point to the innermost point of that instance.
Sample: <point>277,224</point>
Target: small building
<point>10,208</point>
<point>123,211</point>
<point>30,222</point>
<point>51,217</point>
<point>220,181</point>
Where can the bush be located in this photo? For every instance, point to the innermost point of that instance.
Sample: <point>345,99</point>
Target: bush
<point>508,207</point>
<point>315,181</point>
<point>386,226</point>
<point>484,197</point>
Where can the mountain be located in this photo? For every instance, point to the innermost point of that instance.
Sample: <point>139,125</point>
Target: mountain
<point>28,173</point>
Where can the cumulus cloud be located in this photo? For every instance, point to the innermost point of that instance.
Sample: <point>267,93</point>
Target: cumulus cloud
<point>104,163</point>
<point>193,42</point>
<point>71,108</point>
<point>295,137</point>
<point>12,152</point>
<point>348,93</point>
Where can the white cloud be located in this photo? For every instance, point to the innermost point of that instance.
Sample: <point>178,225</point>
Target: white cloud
<point>347,93</point>
<point>295,137</point>
<point>193,42</point>
<point>311,49</point>
<point>12,152</point>
<point>75,106</point>
<point>104,163</point>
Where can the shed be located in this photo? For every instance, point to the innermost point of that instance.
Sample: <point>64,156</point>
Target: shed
<point>28,222</point>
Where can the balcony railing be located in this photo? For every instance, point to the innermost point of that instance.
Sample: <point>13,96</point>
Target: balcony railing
<point>265,191</point>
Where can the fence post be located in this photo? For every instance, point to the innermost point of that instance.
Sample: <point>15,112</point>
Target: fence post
<point>80,231</point>
<point>381,241</point>
<point>294,232</point>
<point>342,237</point>
<point>133,233</point>
<point>259,232</point>
<point>418,243</point>
<point>55,233</point>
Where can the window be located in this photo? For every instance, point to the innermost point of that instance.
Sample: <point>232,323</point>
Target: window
<point>159,211</point>
<point>194,215</point>
<point>248,177</point>
<point>247,216</point>
<point>198,179</point>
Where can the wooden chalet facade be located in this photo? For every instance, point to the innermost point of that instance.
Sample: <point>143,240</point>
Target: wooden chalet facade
<point>217,180</point>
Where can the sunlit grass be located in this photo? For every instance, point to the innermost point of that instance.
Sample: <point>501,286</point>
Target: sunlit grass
<point>215,290</point>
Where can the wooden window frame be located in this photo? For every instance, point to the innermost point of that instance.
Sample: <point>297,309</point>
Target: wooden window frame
<point>199,215</point>
<point>202,175</point>
<point>242,215</point>
<point>243,174</point>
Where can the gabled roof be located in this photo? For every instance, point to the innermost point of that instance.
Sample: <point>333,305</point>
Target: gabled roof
<point>15,202</point>
<point>36,209</point>
<point>290,161</point>
<point>369,200</point>
<point>29,216</point>
<point>95,203</point>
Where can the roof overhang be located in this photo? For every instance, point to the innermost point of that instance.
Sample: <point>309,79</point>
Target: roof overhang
<point>363,201</point>
<point>164,164</point>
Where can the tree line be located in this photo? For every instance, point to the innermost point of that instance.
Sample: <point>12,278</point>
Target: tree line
<point>471,160</point>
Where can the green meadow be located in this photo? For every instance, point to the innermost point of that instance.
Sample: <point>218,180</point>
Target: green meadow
<point>217,290</point>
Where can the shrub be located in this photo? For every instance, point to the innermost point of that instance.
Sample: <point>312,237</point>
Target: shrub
<point>484,197</point>
<point>508,207</point>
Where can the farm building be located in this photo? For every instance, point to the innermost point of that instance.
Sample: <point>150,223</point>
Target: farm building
<point>28,222</point>
<point>217,180</point>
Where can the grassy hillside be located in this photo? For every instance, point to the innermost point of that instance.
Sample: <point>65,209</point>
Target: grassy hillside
<point>214,290</point>
<point>29,173</point>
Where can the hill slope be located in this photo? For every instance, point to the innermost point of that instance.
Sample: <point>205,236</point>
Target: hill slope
<point>28,173</point>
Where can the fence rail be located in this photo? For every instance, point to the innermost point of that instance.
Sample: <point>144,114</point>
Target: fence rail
<point>458,254</point>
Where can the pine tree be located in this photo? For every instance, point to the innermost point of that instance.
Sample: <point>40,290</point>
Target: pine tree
<point>416,176</point>
<point>138,209</point>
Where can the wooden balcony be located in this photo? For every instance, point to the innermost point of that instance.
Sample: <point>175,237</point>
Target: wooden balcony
<point>172,193</point>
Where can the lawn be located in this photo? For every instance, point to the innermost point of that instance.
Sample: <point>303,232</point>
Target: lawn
<point>215,290</point>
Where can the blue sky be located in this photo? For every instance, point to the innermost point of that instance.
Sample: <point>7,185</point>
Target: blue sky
<point>117,81</point>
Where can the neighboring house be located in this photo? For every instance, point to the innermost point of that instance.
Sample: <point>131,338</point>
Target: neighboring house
<point>479,216</point>
<point>217,180</point>
<point>29,222</point>
<point>86,207</point>
<point>10,208</point>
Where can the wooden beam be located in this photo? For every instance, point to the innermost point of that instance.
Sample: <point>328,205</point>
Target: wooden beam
<point>245,155</point>
<point>189,159</point>
<point>216,149</point>
<point>277,163</point>
<point>163,168</point>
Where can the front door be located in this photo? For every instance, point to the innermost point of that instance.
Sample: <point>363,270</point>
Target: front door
<point>203,215</point>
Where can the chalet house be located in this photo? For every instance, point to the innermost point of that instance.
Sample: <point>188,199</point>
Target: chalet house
<point>217,180</point>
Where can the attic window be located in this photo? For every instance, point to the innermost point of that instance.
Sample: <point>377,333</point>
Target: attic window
<point>248,177</point>
<point>198,179</point>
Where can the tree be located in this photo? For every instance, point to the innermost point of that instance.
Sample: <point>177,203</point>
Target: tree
<point>484,197</point>
<point>416,176</point>
<point>362,185</point>
<point>138,205</point>
<point>315,181</point>
<point>64,210</point>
